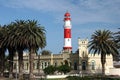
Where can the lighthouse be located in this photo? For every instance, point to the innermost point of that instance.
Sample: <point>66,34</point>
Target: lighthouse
<point>67,33</point>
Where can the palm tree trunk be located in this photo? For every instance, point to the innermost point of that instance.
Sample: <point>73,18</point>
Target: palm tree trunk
<point>31,60</point>
<point>103,69</point>
<point>2,62</point>
<point>39,64</point>
<point>103,61</point>
<point>20,59</point>
<point>11,54</point>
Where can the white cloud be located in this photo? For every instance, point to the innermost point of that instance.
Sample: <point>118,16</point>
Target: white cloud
<point>99,11</point>
<point>83,11</point>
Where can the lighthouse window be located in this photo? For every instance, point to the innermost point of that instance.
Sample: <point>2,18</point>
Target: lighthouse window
<point>68,39</point>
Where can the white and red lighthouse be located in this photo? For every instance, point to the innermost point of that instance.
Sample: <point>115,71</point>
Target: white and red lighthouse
<point>67,32</point>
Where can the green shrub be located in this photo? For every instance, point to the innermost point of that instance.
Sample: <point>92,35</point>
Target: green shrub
<point>64,68</point>
<point>50,70</point>
<point>73,78</point>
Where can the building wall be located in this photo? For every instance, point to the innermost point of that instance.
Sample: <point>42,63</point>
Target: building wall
<point>115,71</point>
<point>45,61</point>
<point>80,61</point>
<point>97,63</point>
<point>91,63</point>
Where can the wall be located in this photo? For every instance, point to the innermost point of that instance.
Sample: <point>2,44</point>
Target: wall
<point>56,76</point>
<point>98,66</point>
<point>114,71</point>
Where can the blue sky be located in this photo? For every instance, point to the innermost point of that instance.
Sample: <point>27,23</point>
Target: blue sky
<point>87,16</point>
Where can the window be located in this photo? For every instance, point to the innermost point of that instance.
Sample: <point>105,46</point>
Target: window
<point>26,66</point>
<point>93,65</point>
<point>48,63</point>
<point>70,64</point>
<point>33,65</point>
<point>42,65</point>
<point>14,66</point>
<point>23,66</point>
<point>55,64</point>
<point>68,39</point>
<point>75,65</point>
<point>38,65</point>
<point>83,54</point>
<point>84,65</point>
<point>45,64</point>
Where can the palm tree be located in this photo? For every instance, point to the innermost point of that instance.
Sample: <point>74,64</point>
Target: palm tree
<point>102,43</point>
<point>19,43</point>
<point>117,40</point>
<point>117,37</point>
<point>11,42</point>
<point>5,43</point>
<point>34,37</point>
<point>15,42</point>
<point>8,42</point>
<point>2,50</point>
<point>21,35</point>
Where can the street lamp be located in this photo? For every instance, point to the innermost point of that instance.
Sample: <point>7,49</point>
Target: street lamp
<point>16,67</point>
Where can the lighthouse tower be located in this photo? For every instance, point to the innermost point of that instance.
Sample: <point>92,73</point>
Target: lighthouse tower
<point>67,33</point>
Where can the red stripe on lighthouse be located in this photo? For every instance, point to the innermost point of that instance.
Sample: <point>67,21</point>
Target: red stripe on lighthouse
<point>67,33</point>
<point>65,48</point>
<point>65,19</point>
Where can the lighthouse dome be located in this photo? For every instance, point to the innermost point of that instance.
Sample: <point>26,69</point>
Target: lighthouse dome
<point>67,14</point>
